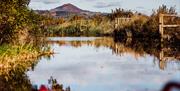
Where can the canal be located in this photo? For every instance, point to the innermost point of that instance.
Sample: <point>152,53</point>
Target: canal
<point>101,64</point>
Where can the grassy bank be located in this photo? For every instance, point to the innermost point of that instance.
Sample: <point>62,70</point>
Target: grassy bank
<point>13,57</point>
<point>20,29</point>
<point>15,61</point>
<point>95,26</point>
<point>13,51</point>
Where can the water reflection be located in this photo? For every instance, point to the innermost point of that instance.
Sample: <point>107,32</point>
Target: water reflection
<point>13,76</point>
<point>163,53</point>
<point>105,64</point>
<point>96,64</point>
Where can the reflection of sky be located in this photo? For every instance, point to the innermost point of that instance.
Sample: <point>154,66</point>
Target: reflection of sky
<point>95,69</point>
<point>72,38</point>
<point>144,6</point>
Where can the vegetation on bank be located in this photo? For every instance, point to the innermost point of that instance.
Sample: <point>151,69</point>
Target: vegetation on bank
<point>21,52</point>
<point>15,61</point>
<point>20,29</point>
<point>99,25</point>
<point>16,56</point>
<point>20,44</point>
<point>142,26</point>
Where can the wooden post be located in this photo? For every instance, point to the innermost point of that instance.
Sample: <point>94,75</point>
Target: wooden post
<point>81,23</point>
<point>161,30</point>
<point>116,23</point>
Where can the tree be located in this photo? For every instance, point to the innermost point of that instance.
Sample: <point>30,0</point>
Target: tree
<point>15,17</point>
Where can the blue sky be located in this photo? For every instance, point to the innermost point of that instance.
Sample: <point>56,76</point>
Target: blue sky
<point>144,6</point>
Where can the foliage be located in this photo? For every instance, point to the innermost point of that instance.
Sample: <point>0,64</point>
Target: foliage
<point>17,20</point>
<point>118,12</point>
<point>148,27</point>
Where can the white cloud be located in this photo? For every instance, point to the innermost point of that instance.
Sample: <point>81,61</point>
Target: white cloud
<point>107,4</point>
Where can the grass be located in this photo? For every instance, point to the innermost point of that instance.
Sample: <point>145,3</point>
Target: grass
<point>19,58</point>
<point>74,28</point>
<point>15,51</point>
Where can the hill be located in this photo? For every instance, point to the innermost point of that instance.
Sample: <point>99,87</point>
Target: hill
<point>67,10</point>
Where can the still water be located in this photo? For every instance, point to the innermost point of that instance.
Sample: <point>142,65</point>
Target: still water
<point>100,64</point>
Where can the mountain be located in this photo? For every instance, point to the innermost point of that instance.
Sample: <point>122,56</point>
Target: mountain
<point>67,10</point>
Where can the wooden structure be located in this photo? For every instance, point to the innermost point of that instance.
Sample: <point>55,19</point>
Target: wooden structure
<point>162,25</point>
<point>82,24</point>
<point>165,55</point>
<point>120,21</point>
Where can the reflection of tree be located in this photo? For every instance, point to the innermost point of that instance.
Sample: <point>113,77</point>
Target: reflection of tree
<point>14,78</point>
<point>17,82</point>
<point>56,86</point>
<point>167,52</point>
<point>170,52</point>
<point>137,47</point>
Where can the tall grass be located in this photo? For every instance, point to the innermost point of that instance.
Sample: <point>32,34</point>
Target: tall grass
<point>82,27</point>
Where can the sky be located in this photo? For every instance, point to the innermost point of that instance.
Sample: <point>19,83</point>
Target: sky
<point>143,6</point>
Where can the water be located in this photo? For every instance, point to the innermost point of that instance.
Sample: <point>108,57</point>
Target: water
<point>100,64</point>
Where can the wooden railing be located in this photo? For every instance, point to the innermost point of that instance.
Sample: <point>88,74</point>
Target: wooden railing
<point>82,24</point>
<point>121,20</point>
<point>162,25</point>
